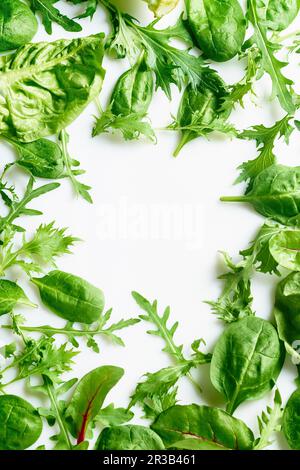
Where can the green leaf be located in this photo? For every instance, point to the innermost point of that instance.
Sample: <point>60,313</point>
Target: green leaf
<point>88,398</point>
<point>129,437</point>
<point>131,126</point>
<point>275,193</point>
<point>202,428</point>
<point>246,361</point>
<point>285,249</point>
<point>50,15</point>
<point>269,422</point>
<point>218,27</point>
<point>287,313</point>
<point>169,64</point>
<point>19,25</point>
<point>273,66</point>
<point>70,297</point>
<point>90,9</point>
<point>17,207</point>
<point>11,295</point>
<point>64,76</point>
<point>42,158</point>
<point>281,13</point>
<point>111,416</point>
<point>21,425</point>
<point>265,140</point>
<point>291,421</point>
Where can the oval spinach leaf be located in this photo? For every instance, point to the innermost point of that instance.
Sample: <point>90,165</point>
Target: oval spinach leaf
<point>129,437</point>
<point>281,13</point>
<point>287,309</point>
<point>11,295</point>
<point>88,398</point>
<point>219,27</point>
<point>202,428</point>
<point>18,24</point>
<point>42,158</point>
<point>199,107</point>
<point>21,425</point>
<point>246,361</point>
<point>275,193</point>
<point>70,297</point>
<point>291,421</point>
<point>64,76</point>
<point>285,249</point>
<point>129,104</point>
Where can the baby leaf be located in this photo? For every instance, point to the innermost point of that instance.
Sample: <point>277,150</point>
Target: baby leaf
<point>285,249</point>
<point>11,295</point>
<point>42,158</point>
<point>70,297</point>
<point>218,27</point>
<point>287,311</point>
<point>200,110</point>
<point>202,428</point>
<point>111,416</point>
<point>281,13</point>
<point>265,140</point>
<point>130,99</point>
<point>246,361</point>
<point>272,65</point>
<point>269,422</point>
<point>275,193</point>
<point>51,14</point>
<point>18,24</point>
<point>88,398</point>
<point>129,437</point>
<point>64,77</point>
<point>21,425</point>
<point>291,421</point>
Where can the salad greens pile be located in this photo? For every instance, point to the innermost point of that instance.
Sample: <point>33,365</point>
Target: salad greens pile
<point>44,87</point>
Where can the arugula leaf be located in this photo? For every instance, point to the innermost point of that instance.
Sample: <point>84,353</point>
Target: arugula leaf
<point>50,15</point>
<point>17,207</point>
<point>159,387</point>
<point>235,301</point>
<point>99,328</point>
<point>265,140</point>
<point>80,188</point>
<point>90,8</point>
<point>273,66</point>
<point>269,422</point>
<point>170,65</point>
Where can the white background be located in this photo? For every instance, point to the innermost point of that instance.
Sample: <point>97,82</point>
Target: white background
<point>121,251</point>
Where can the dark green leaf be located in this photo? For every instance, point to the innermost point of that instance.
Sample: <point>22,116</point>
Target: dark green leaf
<point>129,437</point>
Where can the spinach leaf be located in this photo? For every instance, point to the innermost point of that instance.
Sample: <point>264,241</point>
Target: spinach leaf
<point>129,437</point>
<point>21,425</point>
<point>246,361</point>
<point>51,14</point>
<point>18,24</point>
<point>129,103</point>
<point>88,398</point>
<point>291,421</point>
<point>270,63</point>
<point>202,428</point>
<point>218,26</point>
<point>200,111</point>
<point>287,311</point>
<point>70,297</point>
<point>161,7</point>
<point>281,13</point>
<point>42,158</point>
<point>275,193</point>
<point>285,249</point>
<point>11,295</point>
<point>45,86</point>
